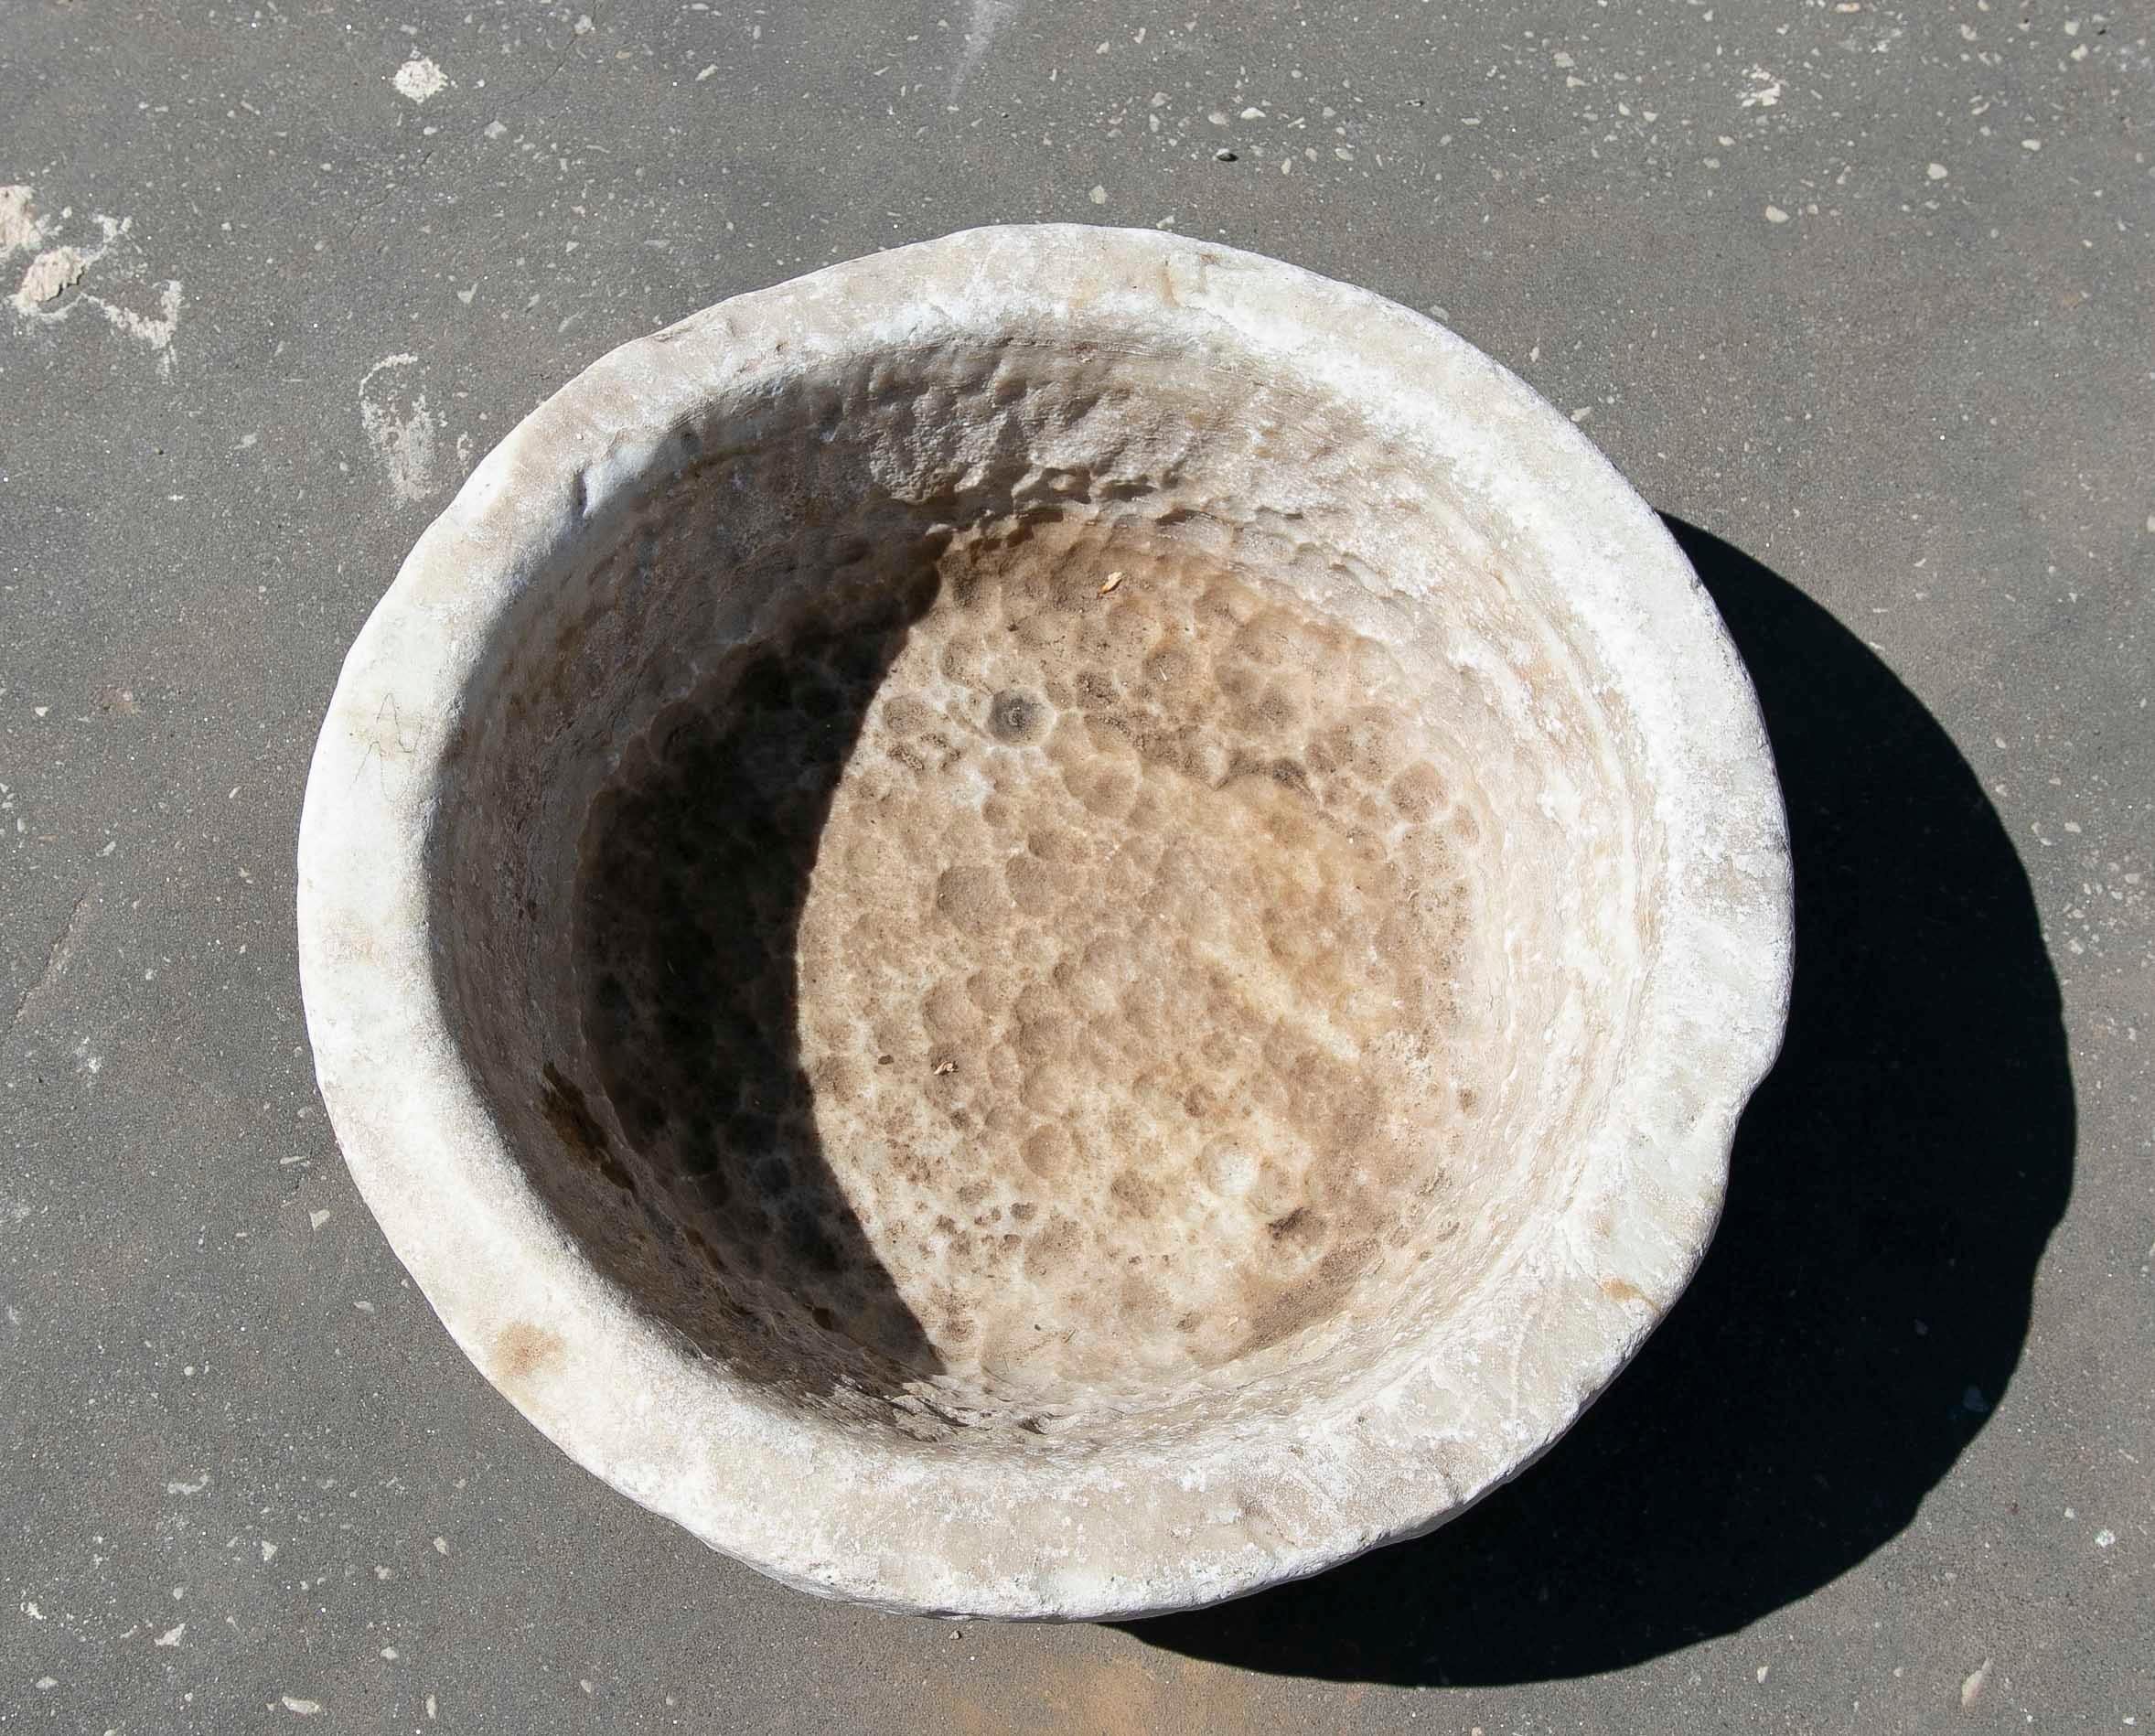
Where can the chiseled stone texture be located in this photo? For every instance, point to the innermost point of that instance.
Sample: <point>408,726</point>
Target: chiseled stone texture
<point>1053,925</point>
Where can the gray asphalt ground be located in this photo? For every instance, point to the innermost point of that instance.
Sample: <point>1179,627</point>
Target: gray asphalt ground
<point>1859,295</point>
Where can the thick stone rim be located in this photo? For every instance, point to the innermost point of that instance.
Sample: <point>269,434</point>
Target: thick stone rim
<point>845,1513</point>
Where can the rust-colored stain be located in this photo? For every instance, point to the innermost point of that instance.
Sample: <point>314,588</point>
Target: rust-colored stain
<point>523,1349</point>
<point>1127,1694</point>
<point>1619,1290</point>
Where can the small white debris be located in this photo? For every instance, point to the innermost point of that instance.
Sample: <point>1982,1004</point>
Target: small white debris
<point>1972,1689</point>
<point>1763,1670</point>
<point>430,1705</point>
<point>389,1652</point>
<point>1111,582</point>
<point>1098,195</point>
<point>1775,214</point>
<point>465,295</point>
<point>441,1545</point>
<point>584,24</point>
<point>305,1708</point>
<point>196,1487</point>
<point>707,72</point>
<point>269,1551</point>
<point>496,129</point>
<point>316,1219</point>
<point>420,79</point>
<point>2032,145</point>
<point>170,1637</point>
<point>1765,90</point>
<point>1936,171</point>
<point>1253,114</point>
<point>2106,1537</point>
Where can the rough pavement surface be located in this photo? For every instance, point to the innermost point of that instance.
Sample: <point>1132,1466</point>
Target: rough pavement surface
<point>1861,292</point>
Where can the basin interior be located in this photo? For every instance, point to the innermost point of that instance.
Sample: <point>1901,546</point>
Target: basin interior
<point>1036,893</point>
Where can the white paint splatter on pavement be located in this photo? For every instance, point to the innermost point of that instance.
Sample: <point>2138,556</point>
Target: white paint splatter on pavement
<point>987,17</point>
<point>42,297</point>
<point>420,79</point>
<point>21,230</point>
<point>402,433</point>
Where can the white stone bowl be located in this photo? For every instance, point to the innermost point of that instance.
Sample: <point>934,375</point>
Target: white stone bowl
<point>1055,924</point>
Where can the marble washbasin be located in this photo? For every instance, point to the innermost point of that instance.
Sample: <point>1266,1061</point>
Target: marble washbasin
<point>1053,925</point>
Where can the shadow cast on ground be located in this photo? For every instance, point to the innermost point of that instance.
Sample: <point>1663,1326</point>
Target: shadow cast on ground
<point>1864,1303</point>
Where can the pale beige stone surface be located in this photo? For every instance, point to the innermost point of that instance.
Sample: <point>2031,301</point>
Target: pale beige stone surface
<point>1056,924</point>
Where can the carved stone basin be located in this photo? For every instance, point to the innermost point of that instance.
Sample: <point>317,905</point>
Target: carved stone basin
<point>1053,925</point>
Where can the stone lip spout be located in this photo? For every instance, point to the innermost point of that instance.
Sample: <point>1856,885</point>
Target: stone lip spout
<point>1053,925</point>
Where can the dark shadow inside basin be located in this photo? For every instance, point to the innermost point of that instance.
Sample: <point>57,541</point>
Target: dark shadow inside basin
<point>697,864</point>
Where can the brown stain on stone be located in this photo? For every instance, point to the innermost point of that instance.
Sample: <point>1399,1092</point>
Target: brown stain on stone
<point>1620,1289</point>
<point>522,1351</point>
<point>562,1102</point>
